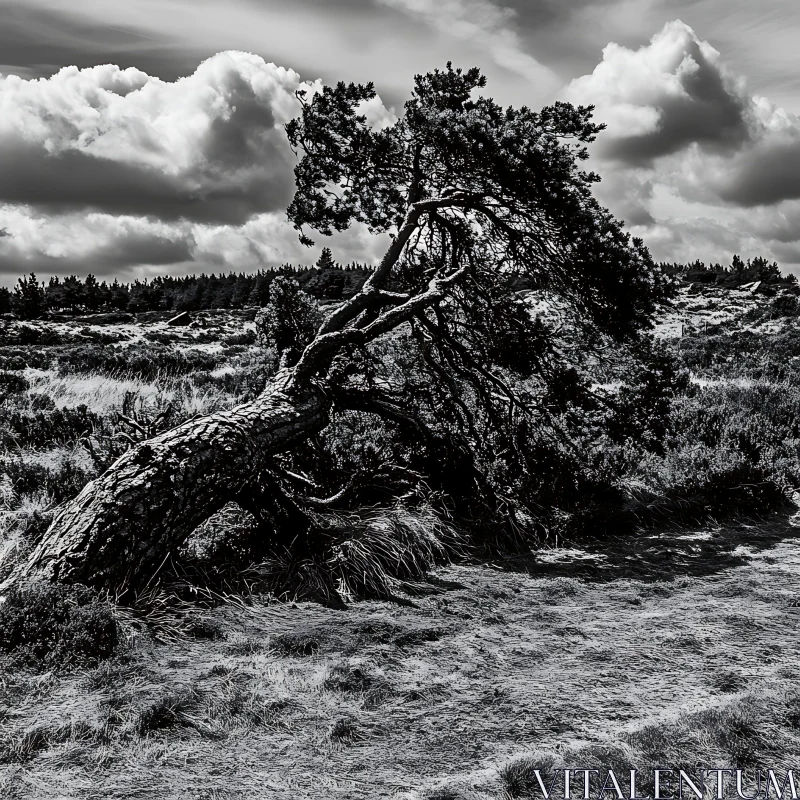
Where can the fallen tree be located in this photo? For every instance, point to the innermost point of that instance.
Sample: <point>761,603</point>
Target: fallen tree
<point>478,202</point>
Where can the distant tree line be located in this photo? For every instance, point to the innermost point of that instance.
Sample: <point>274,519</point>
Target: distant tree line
<point>737,273</point>
<point>325,280</point>
<point>31,298</point>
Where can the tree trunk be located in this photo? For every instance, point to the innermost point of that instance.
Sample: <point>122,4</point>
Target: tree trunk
<point>120,530</point>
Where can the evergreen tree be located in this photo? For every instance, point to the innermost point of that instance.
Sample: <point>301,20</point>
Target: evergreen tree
<point>73,293</point>
<point>5,300</point>
<point>29,297</point>
<point>54,294</point>
<point>437,343</point>
<point>91,293</point>
<point>325,261</point>
<point>119,296</point>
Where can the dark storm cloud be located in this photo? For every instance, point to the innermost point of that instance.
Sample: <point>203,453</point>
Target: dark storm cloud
<point>766,174</point>
<point>36,42</point>
<point>556,32</point>
<point>781,224</point>
<point>110,259</point>
<point>74,180</point>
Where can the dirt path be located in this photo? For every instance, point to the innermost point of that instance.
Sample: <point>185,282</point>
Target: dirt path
<point>490,663</point>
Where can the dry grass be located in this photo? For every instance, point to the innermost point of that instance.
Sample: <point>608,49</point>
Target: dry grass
<point>379,553</point>
<point>104,394</point>
<point>676,649</point>
<point>490,673</point>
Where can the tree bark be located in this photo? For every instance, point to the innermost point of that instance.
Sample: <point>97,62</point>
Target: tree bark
<point>120,530</point>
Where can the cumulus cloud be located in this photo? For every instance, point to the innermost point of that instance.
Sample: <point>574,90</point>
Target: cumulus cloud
<point>116,172</point>
<point>675,98</point>
<point>661,98</point>
<point>99,243</point>
<point>691,159</point>
<point>208,147</point>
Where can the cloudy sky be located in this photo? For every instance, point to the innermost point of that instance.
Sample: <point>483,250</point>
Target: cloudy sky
<point>146,137</point>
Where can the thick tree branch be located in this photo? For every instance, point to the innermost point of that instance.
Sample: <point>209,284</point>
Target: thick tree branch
<point>320,352</point>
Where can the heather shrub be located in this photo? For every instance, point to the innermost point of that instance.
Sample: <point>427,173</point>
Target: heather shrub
<point>785,305</point>
<point>101,337</point>
<point>60,482</point>
<point>243,384</point>
<point>41,402</point>
<point>243,338</point>
<point>12,383</point>
<point>29,334</point>
<point>12,362</point>
<point>20,357</point>
<point>164,337</point>
<point>288,322</point>
<point>53,625</point>
<point>146,363</point>
<point>46,426</point>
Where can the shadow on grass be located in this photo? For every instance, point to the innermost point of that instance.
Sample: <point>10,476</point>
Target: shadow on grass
<point>657,555</point>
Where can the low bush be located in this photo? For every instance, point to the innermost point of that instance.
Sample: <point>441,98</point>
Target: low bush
<point>164,337</point>
<point>20,357</point>
<point>23,334</point>
<point>41,402</point>
<point>12,362</point>
<point>785,305</point>
<point>243,338</point>
<point>52,625</point>
<point>60,482</point>
<point>101,337</point>
<point>243,384</point>
<point>46,426</point>
<point>12,383</point>
<point>147,363</point>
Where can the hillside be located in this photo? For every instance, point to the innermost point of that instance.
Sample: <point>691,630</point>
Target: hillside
<point>700,308</point>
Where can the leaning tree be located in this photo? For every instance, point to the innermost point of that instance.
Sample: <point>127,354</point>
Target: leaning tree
<point>477,201</point>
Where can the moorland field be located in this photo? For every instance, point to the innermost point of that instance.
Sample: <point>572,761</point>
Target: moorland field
<point>655,623</point>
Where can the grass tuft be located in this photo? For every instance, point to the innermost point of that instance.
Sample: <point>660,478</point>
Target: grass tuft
<point>25,747</point>
<point>376,553</point>
<point>295,644</point>
<point>345,731</point>
<point>246,646</point>
<point>198,627</point>
<point>728,682</point>
<point>168,711</point>
<point>518,778</point>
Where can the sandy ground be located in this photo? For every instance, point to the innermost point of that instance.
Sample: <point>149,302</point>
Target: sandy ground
<point>484,664</point>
